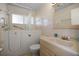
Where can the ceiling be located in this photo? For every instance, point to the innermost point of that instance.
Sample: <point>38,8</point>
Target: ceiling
<point>37,6</point>
<point>30,6</point>
<point>60,6</point>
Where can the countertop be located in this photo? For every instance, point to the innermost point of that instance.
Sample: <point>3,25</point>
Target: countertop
<point>53,41</point>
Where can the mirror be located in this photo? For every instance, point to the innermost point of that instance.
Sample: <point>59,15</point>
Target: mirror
<point>75,16</point>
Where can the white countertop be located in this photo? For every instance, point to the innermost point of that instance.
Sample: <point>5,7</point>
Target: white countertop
<point>53,41</point>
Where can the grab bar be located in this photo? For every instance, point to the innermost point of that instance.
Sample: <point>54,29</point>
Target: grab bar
<point>18,27</point>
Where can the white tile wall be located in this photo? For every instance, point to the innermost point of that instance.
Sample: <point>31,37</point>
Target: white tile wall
<point>67,32</point>
<point>18,42</point>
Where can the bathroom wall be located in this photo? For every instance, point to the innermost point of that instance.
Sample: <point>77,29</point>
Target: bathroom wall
<point>13,40</point>
<point>12,9</point>
<point>18,42</point>
<point>62,21</point>
<point>3,10</point>
<point>66,32</point>
<point>46,12</point>
<point>62,17</point>
<point>62,24</point>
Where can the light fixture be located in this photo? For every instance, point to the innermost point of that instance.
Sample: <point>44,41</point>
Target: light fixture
<point>53,4</point>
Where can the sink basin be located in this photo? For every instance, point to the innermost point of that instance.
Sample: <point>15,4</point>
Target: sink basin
<point>63,42</point>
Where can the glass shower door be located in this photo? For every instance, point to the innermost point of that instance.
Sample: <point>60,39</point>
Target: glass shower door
<point>3,32</point>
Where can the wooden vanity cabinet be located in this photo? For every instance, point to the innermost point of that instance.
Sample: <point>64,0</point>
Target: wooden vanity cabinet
<point>46,49</point>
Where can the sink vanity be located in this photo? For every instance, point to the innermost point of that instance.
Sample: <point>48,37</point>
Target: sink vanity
<point>50,46</point>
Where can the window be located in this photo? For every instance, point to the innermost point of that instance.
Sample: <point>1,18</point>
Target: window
<point>38,21</point>
<point>45,22</point>
<point>26,20</point>
<point>32,20</point>
<point>17,19</point>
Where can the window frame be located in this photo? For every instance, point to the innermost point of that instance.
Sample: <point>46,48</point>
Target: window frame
<point>17,22</point>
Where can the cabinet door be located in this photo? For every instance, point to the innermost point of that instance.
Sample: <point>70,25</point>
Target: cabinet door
<point>45,50</point>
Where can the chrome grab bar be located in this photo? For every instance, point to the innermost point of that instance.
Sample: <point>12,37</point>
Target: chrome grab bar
<point>18,27</point>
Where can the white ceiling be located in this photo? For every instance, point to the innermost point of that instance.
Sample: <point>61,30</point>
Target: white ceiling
<point>60,6</point>
<point>30,6</point>
<point>37,6</point>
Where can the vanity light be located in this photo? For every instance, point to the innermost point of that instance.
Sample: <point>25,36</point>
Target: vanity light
<point>53,4</point>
